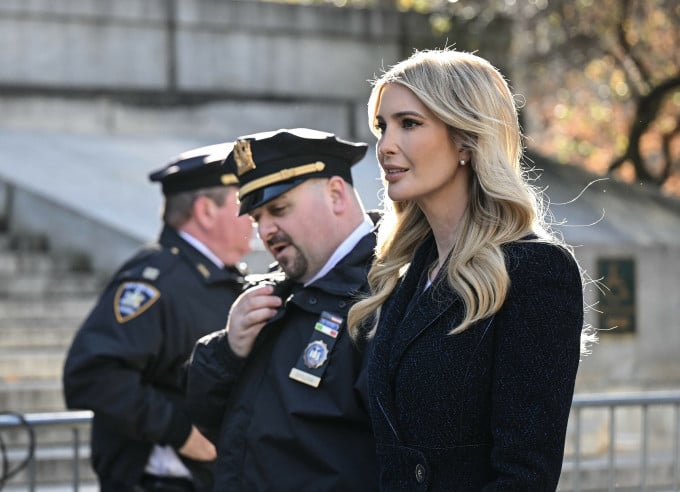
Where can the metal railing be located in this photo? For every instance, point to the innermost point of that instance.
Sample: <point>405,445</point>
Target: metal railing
<point>614,441</point>
<point>33,423</point>
<point>623,441</point>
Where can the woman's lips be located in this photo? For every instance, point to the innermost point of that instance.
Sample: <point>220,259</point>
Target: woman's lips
<point>393,172</point>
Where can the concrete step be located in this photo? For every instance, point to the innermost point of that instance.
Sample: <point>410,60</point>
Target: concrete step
<point>23,242</point>
<point>28,396</point>
<point>46,308</point>
<point>53,468</point>
<point>37,285</point>
<point>4,240</point>
<point>31,363</point>
<point>83,486</point>
<point>12,262</point>
<point>46,333</point>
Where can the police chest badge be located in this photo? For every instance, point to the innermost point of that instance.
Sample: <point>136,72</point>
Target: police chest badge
<point>312,364</point>
<point>315,354</point>
<point>132,299</point>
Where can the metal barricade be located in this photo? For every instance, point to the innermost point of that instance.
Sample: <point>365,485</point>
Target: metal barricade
<point>32,423</point>
<point>593,441</point>
<point>621,443</point>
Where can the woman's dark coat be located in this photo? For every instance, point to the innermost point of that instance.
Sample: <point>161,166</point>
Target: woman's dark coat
<point>486,409</point>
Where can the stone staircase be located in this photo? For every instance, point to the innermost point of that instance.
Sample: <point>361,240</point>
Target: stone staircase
<point>44,297</point>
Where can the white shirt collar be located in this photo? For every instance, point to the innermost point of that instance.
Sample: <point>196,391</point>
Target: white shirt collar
<point>345,247</point>
<point>202,248</point>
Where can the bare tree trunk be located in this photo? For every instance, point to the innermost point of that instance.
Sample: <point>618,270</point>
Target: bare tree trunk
<point>648,107</point>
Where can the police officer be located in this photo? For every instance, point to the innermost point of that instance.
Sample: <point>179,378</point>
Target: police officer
<point>127,361</point>
<point>283,378</point>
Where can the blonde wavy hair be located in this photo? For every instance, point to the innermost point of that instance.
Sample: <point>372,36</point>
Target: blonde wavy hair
<point>471,96</point>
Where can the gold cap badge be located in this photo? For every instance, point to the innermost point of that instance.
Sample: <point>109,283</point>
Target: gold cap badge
<point>243,157</point>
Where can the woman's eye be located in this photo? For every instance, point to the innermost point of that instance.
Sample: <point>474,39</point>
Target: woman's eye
<point>379,126</point>
<point>409,123</point>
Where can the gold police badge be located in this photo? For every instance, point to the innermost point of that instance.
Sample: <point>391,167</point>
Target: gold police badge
<point>243,157</point>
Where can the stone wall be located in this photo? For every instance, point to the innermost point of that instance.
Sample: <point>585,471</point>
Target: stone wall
<point>82,75</point>
<point>206,67</point>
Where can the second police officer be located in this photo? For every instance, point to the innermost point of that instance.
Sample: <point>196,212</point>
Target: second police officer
<point>127,361</point>
<point>283,382</point>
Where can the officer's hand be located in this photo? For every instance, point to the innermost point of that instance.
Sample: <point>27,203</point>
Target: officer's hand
<point>197,447</point>
<point>248,315</point>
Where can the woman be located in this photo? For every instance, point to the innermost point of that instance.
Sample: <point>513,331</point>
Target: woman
<point>476,312</point>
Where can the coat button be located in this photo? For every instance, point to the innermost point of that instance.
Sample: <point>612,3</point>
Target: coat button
<point>420,473</point>
<point>342,304</point>
<point>312,300</point>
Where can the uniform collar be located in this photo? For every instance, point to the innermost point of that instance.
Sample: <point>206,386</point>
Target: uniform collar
<point>201,247</point>
<point>205,267</point>
<point>349,274</point>
<point>345,247</point>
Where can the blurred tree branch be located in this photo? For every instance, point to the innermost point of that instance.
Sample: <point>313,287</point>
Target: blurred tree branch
<point>601,77</point>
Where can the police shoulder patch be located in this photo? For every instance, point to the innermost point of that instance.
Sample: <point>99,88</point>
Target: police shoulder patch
<point>132,299</point>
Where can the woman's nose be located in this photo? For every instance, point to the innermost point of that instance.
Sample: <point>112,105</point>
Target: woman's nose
<point>385,145</point>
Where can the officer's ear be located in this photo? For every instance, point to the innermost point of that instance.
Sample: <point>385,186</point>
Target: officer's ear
<point>337,192</point>
<point>204,210</point>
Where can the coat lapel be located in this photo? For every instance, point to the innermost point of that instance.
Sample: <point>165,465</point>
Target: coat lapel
<point>426,310</point>
<point>413,310</point>
<point>403,319</point>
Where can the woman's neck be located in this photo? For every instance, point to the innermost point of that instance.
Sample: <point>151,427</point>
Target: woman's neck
<point>444,213</point>
<point>445,229</point>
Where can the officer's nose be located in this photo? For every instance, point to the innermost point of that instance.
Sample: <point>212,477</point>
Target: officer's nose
<point>266,228</point>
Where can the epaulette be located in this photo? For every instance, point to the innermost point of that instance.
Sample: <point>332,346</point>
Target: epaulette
<point>149,264</point>
<point>136,290</point>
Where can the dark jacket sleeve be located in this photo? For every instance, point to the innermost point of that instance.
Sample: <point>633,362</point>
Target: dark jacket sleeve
<point>109,367</point>
<point>537,352</point>
<point>213,370</point>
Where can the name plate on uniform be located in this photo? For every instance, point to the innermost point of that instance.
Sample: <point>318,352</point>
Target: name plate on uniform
<point>313,361</point>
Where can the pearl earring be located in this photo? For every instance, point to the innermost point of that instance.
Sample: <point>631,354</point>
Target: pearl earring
<point>462,162</point>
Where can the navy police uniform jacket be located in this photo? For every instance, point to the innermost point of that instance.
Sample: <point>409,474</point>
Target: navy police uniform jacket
<point>127,362</point>
<point>485,409</point>
<point>276,433</point>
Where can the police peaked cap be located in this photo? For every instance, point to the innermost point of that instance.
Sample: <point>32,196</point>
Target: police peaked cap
<point>203,167</point>
<point>270,163</point>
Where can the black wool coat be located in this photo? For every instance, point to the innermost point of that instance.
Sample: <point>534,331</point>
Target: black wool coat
<point>485,409</point>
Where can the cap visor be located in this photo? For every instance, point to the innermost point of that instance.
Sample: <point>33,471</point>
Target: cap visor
<point>259,197</point>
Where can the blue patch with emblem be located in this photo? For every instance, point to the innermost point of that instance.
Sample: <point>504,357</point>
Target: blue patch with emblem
<point>312,364</point>
<point>132,299</point>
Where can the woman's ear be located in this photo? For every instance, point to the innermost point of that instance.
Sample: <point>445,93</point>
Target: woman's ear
<point>464,155</point>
